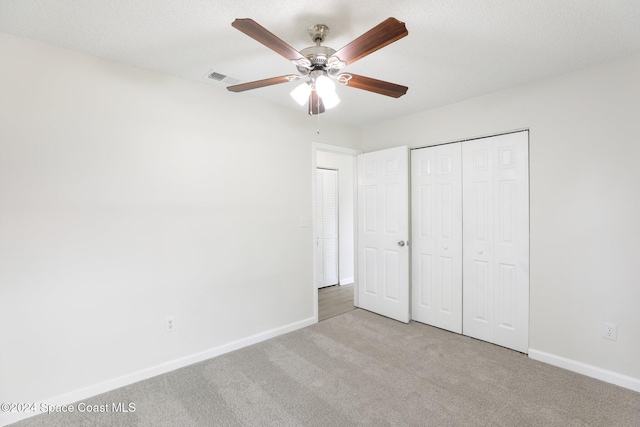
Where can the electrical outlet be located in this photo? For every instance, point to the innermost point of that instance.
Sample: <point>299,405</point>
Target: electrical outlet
<point>170,324</point>
<point>609,331</point>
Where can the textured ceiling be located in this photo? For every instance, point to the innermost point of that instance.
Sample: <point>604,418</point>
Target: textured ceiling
<point>455,49</point>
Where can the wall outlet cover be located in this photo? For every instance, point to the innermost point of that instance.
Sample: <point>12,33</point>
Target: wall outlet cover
<point>609,331</point>
<point>170,324</point>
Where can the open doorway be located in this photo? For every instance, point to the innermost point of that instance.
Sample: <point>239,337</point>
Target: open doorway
<point>338,297</point>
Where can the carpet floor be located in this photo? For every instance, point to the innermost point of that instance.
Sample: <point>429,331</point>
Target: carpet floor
<point>363,369</point>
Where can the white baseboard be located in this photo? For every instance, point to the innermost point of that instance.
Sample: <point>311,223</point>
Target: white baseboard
<point>7,418</point>
<point>588,370</point>
<point>347,281</point>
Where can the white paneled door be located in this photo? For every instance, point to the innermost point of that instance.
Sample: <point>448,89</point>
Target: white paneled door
<point>436,236</point>
<point>383,232</point>
<point>326,227</point>
<point>496,240</point>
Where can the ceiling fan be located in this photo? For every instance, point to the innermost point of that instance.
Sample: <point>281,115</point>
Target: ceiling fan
<point>320,65</point>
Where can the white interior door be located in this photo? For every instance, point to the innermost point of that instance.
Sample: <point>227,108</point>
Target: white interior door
<point>326,227</point>
<point>383,232</point>
<point>436,236</point>
<point>496,240</point>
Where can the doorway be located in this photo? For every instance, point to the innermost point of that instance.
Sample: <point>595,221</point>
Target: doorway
<point>339,297</point>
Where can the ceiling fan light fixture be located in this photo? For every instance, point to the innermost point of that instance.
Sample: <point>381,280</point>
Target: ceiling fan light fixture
<point>301,93</point>
<point>330,100</point>
<point>325,86</point>
<point>327,91</point>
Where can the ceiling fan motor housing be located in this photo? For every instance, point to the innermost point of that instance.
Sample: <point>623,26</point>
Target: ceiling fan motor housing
<point>318,56</point>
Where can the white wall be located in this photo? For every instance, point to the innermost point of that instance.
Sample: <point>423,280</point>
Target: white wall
<point>584,151</point>
<point>344,163</point>
<point>127,196</point>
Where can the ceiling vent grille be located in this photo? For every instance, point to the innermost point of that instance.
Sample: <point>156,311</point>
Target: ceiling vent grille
<point>217,76</point>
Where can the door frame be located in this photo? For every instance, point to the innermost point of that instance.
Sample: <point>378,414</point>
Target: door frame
<point>317,146</point>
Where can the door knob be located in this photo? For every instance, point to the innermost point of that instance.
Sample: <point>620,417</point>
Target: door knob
<point>401,243</point>
<point>446,247</point>
<point>479,251</point>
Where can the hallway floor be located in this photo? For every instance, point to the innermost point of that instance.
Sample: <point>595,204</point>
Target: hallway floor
<point>335,300</point>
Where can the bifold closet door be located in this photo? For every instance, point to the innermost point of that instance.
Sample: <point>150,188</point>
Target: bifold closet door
<point>326,227</point>
<point>436,243</point>
<point>496,240</point>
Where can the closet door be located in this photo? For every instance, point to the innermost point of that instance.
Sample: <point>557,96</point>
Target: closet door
<point>496,240</point>
<point>436,212</point>
<point>326,227</point>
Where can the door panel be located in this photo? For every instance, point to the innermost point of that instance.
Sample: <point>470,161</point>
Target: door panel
<point>437,236</point>
<point>391,265</point>
<point>370,277</point>
<point>496,240</point>
<point>511,248</point>
<point>383,222</point>
<point>477,163</point>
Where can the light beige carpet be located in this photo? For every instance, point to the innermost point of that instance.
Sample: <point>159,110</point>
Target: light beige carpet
<point>362,369</point>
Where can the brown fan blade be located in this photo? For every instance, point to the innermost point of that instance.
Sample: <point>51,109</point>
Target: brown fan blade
<point>316,106</point>
<point>372,85</point>
<point>261,83</point>
<point>261,34</point>
<point>376,38</point>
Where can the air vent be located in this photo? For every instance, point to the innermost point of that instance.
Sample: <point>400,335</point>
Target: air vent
<point>217,76</point>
